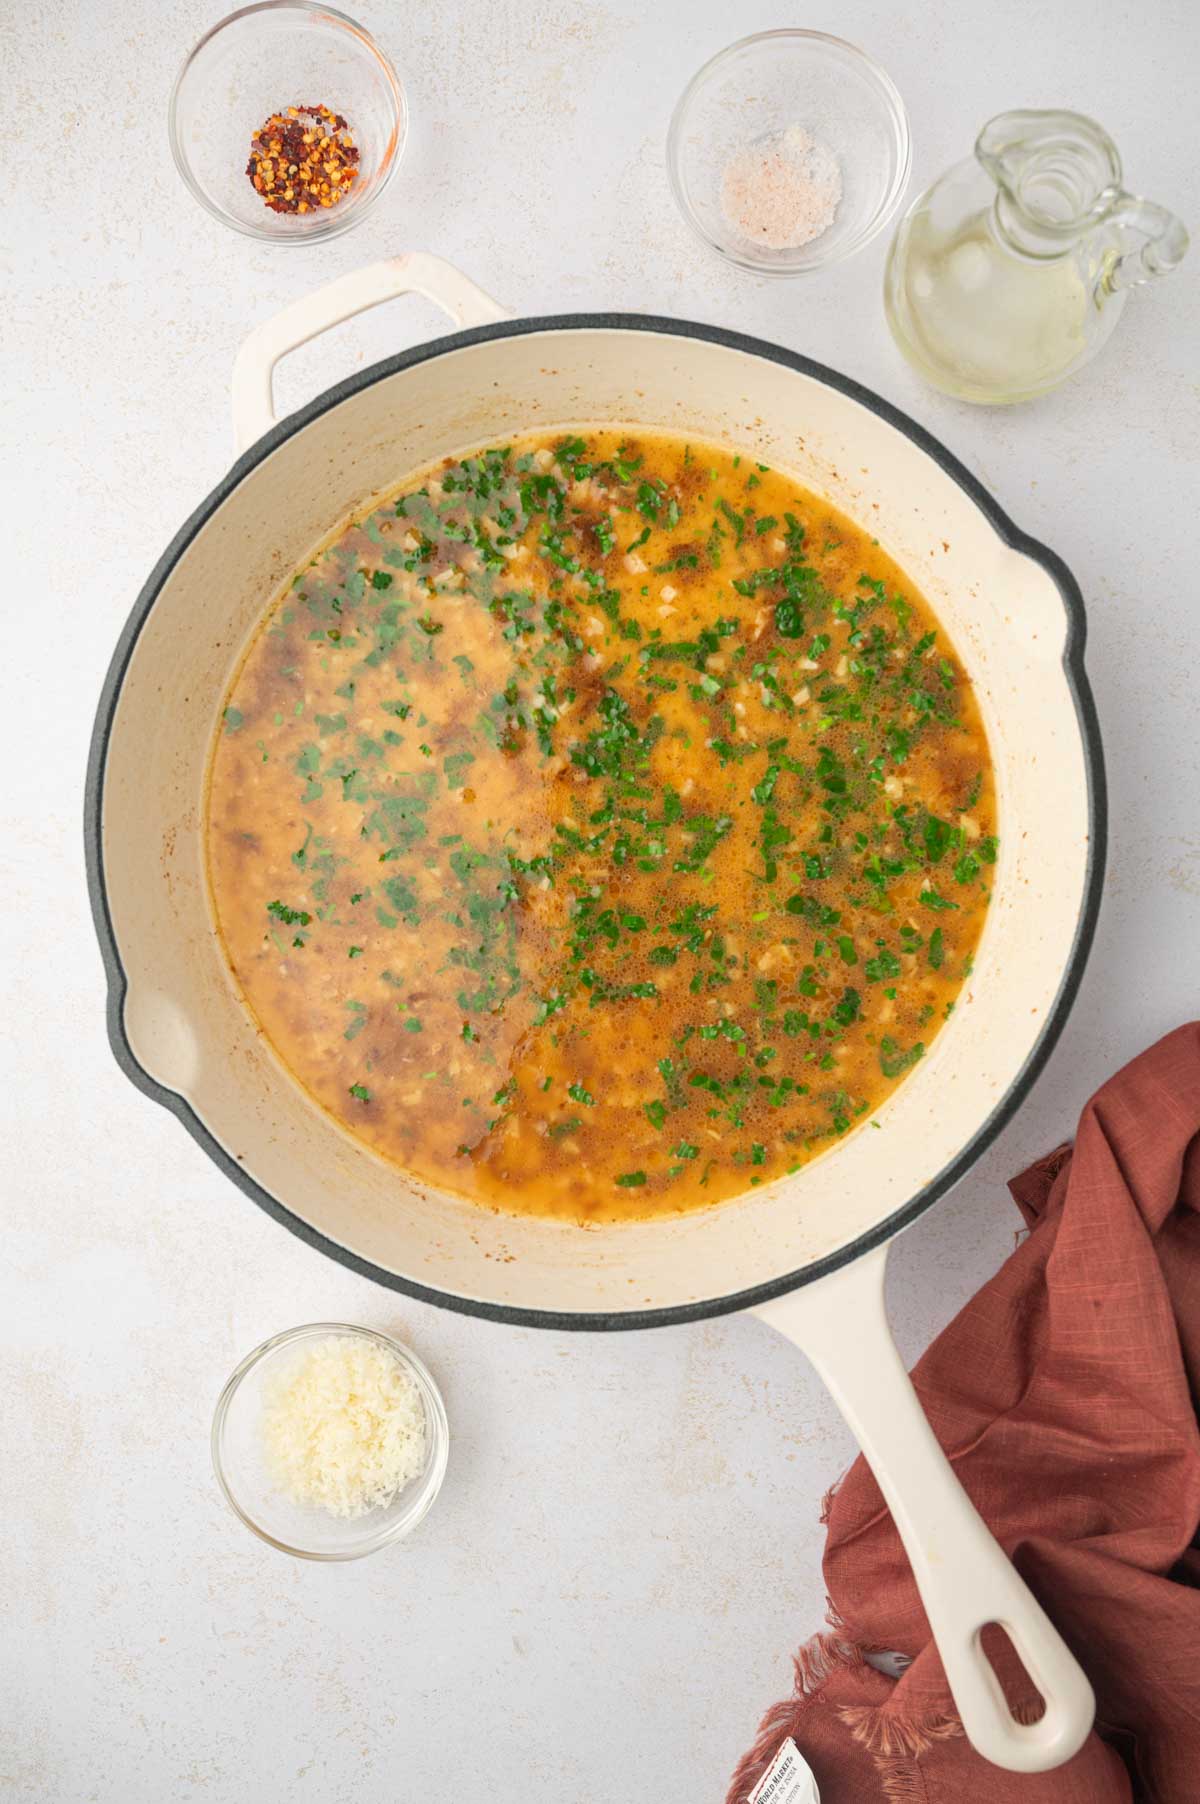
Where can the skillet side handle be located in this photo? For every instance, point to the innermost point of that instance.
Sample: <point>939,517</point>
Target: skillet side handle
<point>415,273</point>
<point>964,1578</point>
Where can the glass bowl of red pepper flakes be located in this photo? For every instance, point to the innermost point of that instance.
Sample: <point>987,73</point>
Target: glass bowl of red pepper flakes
<point>287,121</point>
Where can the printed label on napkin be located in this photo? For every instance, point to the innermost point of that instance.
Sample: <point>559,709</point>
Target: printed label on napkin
<point>788,1779</point>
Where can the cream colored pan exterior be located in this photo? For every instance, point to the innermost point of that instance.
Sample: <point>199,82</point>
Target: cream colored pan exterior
<point>182,1033</point>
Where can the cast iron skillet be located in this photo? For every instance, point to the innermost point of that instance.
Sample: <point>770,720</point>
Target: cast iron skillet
<point>965,1581</point>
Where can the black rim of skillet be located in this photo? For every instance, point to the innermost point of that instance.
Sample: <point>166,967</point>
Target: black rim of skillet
<point>984,1134</point>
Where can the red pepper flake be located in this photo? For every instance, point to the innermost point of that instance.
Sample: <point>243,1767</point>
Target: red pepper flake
<point>302,159</point>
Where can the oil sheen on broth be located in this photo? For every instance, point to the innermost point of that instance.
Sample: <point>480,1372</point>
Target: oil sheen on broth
<point>601,826</point>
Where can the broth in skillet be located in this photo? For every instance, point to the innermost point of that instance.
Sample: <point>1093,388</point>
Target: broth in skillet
<point>601,826</point>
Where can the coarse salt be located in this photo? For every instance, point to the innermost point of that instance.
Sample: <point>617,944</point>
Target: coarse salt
<point>783,190</point>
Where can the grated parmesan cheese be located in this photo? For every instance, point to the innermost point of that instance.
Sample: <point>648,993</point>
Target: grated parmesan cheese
<point>343,1426</point>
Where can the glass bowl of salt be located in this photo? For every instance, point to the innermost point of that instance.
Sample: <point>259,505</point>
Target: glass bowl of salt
<point>789,151</point>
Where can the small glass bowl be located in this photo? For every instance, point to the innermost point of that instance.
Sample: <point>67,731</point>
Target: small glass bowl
<point>300,1529</point>
<point>759,87</point>
<point>260,61</point>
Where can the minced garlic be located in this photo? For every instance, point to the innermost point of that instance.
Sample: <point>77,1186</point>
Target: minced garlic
<point>343,1426</point>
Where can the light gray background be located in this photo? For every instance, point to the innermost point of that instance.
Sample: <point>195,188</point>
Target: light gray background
<point>627,1546</point>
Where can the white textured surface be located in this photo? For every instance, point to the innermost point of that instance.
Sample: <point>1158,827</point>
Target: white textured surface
<point>627,1546</point>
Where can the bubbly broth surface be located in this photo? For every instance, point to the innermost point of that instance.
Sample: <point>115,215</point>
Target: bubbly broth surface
<point>600,827</point>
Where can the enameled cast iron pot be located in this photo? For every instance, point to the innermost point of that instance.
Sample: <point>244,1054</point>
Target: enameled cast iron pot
<point>807,1253</point>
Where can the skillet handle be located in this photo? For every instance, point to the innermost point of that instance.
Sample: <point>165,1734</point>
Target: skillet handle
<point>964,1578</point>
<point>415,273</point>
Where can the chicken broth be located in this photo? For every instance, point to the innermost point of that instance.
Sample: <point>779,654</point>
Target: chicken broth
<point>601,826</point>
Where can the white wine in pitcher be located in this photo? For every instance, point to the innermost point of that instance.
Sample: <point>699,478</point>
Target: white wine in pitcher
<point>1011,271</point>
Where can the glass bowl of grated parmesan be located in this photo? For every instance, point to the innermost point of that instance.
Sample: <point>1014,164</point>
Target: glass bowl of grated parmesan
<point>789,151</point>
<point>330,1441</point>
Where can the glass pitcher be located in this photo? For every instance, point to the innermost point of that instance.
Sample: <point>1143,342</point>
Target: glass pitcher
<point>1008,274</point>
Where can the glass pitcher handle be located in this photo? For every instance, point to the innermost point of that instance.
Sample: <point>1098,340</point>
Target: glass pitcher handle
<point>1159,243</point>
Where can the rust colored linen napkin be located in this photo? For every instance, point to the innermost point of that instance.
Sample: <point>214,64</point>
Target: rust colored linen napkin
<point>1065,1394</point>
